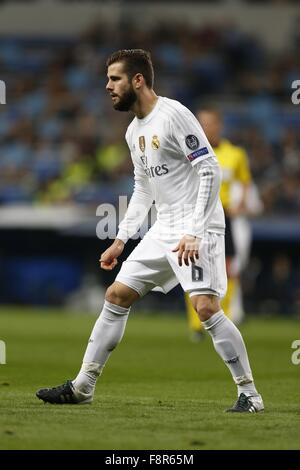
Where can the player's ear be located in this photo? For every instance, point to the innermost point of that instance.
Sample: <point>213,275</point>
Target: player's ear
<point>137,81</point>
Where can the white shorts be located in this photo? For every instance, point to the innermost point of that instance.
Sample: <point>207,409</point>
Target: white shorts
<point>153,266</point>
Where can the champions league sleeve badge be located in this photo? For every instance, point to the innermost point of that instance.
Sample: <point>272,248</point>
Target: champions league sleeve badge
<point>192,142</point>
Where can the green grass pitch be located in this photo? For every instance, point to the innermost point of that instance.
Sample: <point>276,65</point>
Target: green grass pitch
<point>158,390</point>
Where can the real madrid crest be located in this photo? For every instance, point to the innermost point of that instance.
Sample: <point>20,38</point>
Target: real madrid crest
<point>142,143</point>
<point>155,143</point>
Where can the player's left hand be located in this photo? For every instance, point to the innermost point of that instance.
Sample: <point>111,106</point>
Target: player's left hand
<point>188,249</point>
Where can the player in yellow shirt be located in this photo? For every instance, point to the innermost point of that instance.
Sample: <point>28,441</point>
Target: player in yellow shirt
<point>235,168</point>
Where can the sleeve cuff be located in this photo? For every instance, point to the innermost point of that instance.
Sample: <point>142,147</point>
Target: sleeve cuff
<point>122,235</point>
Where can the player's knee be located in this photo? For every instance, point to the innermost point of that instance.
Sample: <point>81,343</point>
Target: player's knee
<point>115,296</point>
<point>119,294</point>
<point>205,305</point>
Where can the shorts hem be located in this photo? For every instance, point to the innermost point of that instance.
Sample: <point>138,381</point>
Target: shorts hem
<point>141,291</point>
<point>194,292</point>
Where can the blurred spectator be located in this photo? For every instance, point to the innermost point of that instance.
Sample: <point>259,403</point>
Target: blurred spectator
<point>56,146</point>
<point>278,288</point>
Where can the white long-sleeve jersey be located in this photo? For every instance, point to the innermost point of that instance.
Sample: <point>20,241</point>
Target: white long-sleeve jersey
<point>174,165</point>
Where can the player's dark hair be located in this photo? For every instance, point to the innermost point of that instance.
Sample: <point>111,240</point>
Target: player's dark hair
<point>212,109</point>
<point>134,61</point>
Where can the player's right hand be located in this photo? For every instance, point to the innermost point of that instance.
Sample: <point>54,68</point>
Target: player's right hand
<point>108,259</point>
<point>187,249</point>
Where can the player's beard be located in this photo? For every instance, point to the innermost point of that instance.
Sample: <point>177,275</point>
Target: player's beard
<point>126,101</point>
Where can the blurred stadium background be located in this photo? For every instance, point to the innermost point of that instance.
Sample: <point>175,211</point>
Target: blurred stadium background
<point>62,149</point>
<point>62,154</point>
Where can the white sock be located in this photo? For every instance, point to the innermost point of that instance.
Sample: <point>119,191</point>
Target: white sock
<point>229,344</point>
<point>107,333</point>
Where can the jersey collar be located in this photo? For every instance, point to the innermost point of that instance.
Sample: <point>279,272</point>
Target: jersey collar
<point>151,114</point>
